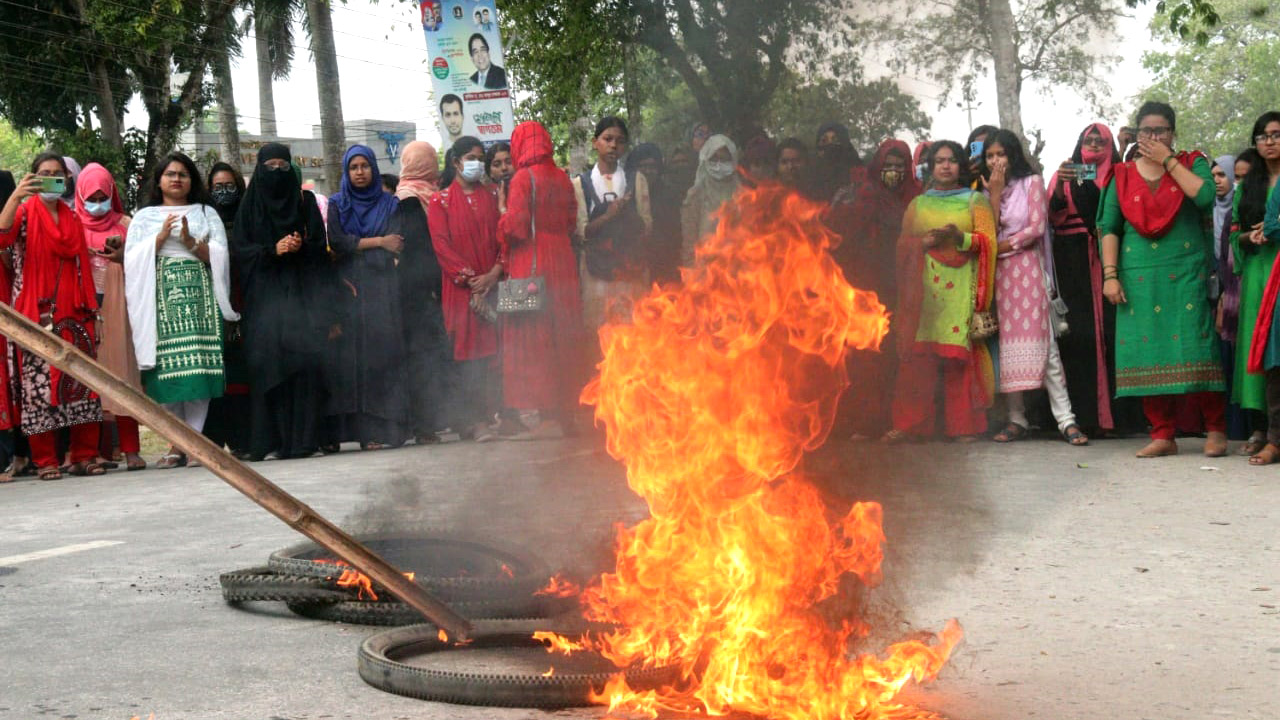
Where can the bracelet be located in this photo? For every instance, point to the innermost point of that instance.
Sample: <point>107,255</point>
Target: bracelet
<point>1111,277</point>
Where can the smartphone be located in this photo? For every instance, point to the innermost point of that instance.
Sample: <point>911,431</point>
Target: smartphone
<point>113,242</point>
<point>975,149</point>
<point>1085,171</point>
<point>53,184</point>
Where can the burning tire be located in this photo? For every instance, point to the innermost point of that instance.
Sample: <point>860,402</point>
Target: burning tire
<point>451,568</point>
<point>382,665</point>
<point>261,583</point>
<point>394,613</point>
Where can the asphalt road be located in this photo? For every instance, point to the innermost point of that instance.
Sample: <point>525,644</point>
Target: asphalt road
<point>1090,585</point>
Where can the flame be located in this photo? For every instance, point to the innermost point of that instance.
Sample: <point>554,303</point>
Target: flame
<point>354,578</point>
<point>710,397</point>
<point>507,571</point>
<point>550,671</point>
<point>560,643</point>
<point>559,586</point>
<point>444,636</point>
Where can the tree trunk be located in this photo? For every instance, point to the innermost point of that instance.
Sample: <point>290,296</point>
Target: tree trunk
<point>1004,52</point>
<point>332,129</point>
<point>631,90</point>
<point>228,130</point>
<point>107,115</point>
<point>266,93</point>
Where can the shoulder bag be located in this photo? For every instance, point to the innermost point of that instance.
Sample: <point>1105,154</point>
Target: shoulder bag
<point>982,323</point>
<point>522,295</point>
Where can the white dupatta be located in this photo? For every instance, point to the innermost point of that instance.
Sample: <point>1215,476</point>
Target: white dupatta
<point>140,268</point>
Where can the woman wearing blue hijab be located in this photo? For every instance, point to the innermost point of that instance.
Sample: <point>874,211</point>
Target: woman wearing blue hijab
<point>366,370</point>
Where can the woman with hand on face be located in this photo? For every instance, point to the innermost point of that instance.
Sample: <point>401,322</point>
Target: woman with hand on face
<point>1256,245</point>
<point>1156,260</point>
<point>101,213</point>
<point>463,220</point>
<point>1029,356</point>
<point>43,239</point>
<point>287,281</point>
<point>367,371</point>
<point>946,271</point>
<point>178,282</point>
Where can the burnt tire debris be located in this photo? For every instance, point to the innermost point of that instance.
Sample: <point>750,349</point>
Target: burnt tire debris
<point>380,664</point>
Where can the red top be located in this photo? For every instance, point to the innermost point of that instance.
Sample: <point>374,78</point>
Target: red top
<point>464,233</point>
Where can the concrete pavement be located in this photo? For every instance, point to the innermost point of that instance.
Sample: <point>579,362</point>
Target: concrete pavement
<point>1090,584</point>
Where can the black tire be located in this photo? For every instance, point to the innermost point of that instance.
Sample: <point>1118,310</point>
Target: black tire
<point>378,667</point>
<point>438,562</point>
<point>260,583</point>
<point>391,613</point>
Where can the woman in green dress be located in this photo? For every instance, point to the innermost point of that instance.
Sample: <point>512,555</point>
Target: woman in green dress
<point>1255,255</point>
<point>1156,257</point>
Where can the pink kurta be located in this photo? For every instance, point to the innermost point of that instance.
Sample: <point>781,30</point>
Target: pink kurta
<point>1022,305</point>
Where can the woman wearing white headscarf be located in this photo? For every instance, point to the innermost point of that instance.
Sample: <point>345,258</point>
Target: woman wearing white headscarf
<point>716,182</point>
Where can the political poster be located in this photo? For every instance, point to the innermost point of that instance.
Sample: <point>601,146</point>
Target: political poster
<point>467,73</point>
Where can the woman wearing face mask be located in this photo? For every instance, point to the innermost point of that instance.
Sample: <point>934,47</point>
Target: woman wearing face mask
<point>614,224</point>
<point>53,286</point>
<point>278,244</point>
<point>177,278</point>
<point>367,371</point>
<point>868,221</point>
<point>228,421</point>
<point>1155,265</point>
<point>101,212</point>
<point>946,273</point>
<point>1087,348</point>
<point>463,219</point>
<point>715,184</point>
<point>1029,356</point>
<point>1255,255</point>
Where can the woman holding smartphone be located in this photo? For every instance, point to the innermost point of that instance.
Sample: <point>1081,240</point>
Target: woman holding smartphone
<point>177,279</point>
<point>101,212</point>
<point>53,287</point>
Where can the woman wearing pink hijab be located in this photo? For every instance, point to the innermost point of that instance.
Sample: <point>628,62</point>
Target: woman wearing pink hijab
<point>101,213</point>
<point>426,341</point>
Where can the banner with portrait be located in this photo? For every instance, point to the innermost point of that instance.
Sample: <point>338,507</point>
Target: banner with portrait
<point>467,73</point>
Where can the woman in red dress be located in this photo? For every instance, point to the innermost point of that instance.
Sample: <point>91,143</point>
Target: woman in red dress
<point>540,349</point>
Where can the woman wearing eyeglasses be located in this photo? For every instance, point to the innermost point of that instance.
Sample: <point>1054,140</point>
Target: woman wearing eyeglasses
<point>1156,259</point>
<point>177,284</point>
<point>1255,255</point>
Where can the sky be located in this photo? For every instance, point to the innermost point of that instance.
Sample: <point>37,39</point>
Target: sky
<point>384,76</point>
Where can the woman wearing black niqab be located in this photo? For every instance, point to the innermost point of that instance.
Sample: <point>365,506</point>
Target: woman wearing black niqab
<point>278,244</point>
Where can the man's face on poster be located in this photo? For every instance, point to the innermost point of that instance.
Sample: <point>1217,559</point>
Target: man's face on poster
<point>452,114</point>
<point>479,54</point>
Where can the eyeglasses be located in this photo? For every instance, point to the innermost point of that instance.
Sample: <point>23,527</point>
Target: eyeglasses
<point>1154,132</point>
<point>224,186</point>
<point>1096,141</point>
<point>174,175</point>
<point>1271,137</point>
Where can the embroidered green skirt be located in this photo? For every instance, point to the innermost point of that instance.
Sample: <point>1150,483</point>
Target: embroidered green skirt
<point>189,362</point>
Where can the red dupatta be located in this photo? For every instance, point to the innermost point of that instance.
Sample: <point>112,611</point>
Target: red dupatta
<point>1151,213</point>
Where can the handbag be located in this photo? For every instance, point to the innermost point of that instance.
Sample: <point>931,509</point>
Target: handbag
<point>982,323</point>
<point>1057,305</point>
<point>522,295</point>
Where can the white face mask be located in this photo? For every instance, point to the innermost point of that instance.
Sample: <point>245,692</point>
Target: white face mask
<point>50,195</point>
<point>97,209</point>
<point>719,170</point>
<point>472,170</point>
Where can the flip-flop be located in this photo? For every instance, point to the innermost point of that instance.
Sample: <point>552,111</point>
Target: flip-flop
<point>84,469</point>
<point>1011,433</point>
<point>1075,436</point>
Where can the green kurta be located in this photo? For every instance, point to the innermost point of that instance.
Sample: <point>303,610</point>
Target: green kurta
<point>1164,333</point>
<point>1253,265</point>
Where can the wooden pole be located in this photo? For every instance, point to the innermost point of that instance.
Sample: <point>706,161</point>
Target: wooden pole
<point>297,515</point>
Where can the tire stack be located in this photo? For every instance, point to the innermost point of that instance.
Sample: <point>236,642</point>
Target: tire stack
<point>476,579</point>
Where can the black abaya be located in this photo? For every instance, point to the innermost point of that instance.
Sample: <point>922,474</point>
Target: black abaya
<point>429,352</point>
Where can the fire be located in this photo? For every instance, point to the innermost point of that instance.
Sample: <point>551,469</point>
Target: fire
<point>354,578</point>
<point>560,587</point>
<point>506,570</point>
<point>710,397</point>
<point>443,636</point>
<point>560,643</point>
<point>550,671</point>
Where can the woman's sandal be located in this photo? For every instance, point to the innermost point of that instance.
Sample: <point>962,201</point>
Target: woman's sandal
<point>84,469</point>
<point>53,472</point>
<point>1253,446</point>
<point>1075,436</point>
<point>1268,455</point>
<point>134,462</point>
<point>171,460</point>
<point>1011,432</point>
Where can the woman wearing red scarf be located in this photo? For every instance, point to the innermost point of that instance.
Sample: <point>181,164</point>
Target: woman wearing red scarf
<point>1156,259</point>
<point>868,220</point>
<point>540,349</point>
<point>100,211</point>
<point>53,287</point>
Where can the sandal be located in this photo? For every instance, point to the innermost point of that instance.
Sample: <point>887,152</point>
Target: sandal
<point>1075,436</point>
<point>171,460</point>
<point>1011,432</point>
<point>1268,455</point>
<point>24,469</point>
<point>83,469</point>
<point>1253,446</point>
<point>53,472</point>
<point>134,462</point>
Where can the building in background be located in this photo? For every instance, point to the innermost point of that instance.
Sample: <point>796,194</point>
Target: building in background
<point>386,137</point>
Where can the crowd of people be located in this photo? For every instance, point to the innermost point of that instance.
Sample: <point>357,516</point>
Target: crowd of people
<point>460,298</point>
